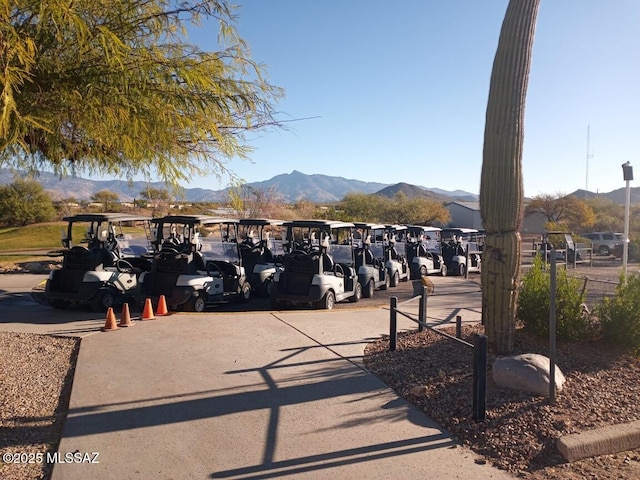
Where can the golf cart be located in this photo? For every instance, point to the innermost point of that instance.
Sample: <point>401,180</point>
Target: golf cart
<point>319,266</point>
<point>563,241</point>
<point>455,244</point>
<point>395,254</point>
<point>260,248</point>
<point>102,269</point>
<point>369,257</point>
<point>196,263</point>
<point>424,251</point>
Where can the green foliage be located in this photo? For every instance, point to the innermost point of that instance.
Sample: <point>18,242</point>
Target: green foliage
<point>109,200</point>
<point>24,202</point>
<point>563,212</point>
<point>534,303</point>
<point>620,315</point>
<point>401,210</point>
<point>114,87</point>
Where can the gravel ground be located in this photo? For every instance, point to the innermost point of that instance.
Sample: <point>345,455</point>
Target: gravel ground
<point>35,381</point>
<point>602,388</point>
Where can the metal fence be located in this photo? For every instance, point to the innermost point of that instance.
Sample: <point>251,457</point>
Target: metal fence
<point>479,346</point>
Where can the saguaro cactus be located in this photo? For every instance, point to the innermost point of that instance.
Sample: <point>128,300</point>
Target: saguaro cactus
<point>501,190</point>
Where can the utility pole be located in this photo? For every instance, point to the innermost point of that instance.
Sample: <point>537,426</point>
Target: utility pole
<point>586,186</point>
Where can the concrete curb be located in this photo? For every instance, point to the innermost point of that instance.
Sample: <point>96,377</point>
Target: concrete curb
<point>601,441</point>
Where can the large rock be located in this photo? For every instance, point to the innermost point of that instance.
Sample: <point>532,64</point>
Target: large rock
<point>528,372</point>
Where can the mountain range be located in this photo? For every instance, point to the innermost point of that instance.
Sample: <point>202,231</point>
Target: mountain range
<point>289,187</point>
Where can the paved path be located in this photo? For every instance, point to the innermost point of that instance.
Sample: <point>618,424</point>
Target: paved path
<point>251,396</point>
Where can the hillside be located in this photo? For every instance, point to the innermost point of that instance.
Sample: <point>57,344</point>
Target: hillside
<point>290,187</point>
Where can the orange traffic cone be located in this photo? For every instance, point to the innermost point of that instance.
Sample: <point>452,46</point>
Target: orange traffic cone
<point>110,323</point>
<point>147,313</point>
<point>162,306</point>
<point>125,318</point>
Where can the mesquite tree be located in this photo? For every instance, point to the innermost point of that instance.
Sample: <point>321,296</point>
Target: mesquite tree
<point>501,190</point>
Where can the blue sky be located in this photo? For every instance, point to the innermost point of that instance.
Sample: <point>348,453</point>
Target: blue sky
<point>396,92</point>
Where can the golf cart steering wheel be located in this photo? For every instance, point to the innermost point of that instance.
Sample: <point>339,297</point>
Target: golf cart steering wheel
<point>123,266</point>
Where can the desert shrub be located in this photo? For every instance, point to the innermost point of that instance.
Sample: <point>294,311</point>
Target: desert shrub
<point>534,301</point>
<point>620,315</point>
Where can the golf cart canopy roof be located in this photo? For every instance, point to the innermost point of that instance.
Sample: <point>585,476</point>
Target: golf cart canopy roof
<point>318,224</point>
<point>425,228</point>
<point>193,219</point>
<point>396,227</point>
<point>370,226</point>
<point>460,230</point>
<point>260,221</point>
<point>105,217</point>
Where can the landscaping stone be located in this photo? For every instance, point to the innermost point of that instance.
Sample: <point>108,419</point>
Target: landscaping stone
<point>528,372</point>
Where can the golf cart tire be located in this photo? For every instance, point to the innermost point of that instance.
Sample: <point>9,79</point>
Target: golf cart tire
<point>245,292</point>
<point>386,283</point>
<point>395,279</point>
<point>59,304</point>
<point>357,294</point>
<point>328,301</point>
<point>443,271</point>
<point>423,272</point>
<point>196,303</point>
<point>367,291</point>
<point>103,300</point>
<point>461,269</point>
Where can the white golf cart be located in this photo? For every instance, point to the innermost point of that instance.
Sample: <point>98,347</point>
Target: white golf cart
<point>395,254</point>
<point>261,247</point>
<point>102,269</point>
<point>197,263</point>
<point>319,266</point>
<point>369,257</point>
<point>455,244</point>
<point>424,251</point>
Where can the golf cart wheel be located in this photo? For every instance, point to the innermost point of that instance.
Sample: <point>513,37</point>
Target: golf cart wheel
<point>395,279</point>
<point>328,301</point>
<point>103,300</point>
<point>423,271</point>
<point>369,288</point>
<point>357,294</point>
<point>61,304</point>
<point>461,269</point>
<point>245,292</point>
<point>196,303</point>
<point>443,270</point>
<point>386,283</point>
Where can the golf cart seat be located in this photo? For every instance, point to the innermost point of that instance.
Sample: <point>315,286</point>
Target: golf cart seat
<point>328,264</point>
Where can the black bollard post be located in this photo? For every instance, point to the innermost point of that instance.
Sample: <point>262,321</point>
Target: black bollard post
<point>393,323</point>
<point>458,326</point>
<point>479,377</point>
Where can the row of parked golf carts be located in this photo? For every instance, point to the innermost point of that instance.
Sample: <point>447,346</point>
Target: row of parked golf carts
<point>195,261</point>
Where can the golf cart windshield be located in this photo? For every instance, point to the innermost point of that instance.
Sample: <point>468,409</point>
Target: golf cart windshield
<point>216,249</point>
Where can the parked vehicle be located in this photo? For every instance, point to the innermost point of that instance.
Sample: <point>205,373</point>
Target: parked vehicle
<point>424,251</point>
<point>565,247</point>
<point>197,263</point>
<point>319,266</point>
<point>369,257</point>
<point>605,243</point>
<point>455,242</point>
<point>395,254</point>
<point>261,249</point>
<point>102,268</point>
